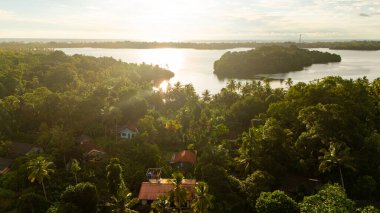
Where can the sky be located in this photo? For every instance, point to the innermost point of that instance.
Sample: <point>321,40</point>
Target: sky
<point>182,20</point>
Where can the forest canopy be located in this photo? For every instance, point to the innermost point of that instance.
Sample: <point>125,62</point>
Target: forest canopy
<point>259,149</point>
<point>269,60</point>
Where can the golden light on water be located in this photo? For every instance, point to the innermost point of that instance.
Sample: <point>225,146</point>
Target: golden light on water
<point>169,58</point>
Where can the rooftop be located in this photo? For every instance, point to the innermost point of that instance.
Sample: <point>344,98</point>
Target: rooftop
<point>187,156</point>
<point>151,190</point>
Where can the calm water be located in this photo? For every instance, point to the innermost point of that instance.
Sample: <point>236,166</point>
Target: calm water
<point>196,66</point>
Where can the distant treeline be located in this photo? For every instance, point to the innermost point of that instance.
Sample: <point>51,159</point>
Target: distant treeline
<point>268,60</point>
<point>350,45</point>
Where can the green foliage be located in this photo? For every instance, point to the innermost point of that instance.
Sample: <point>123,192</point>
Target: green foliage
<point>269,59</point>
<point>39,169</point>
<point>115,176</point>
<point>75,168</point>
<point>338,155</point>
<point>203,200</point>
<point>255,184</point>
<point>161,205</point>
<point>32,202</point>
<point>4,147</point>
<point>276,202</point>
<point>368,209</point>
<point>222,187</point>
<point>7,199</point>
<point>178,196</point>
<point>365,187</point>
<point>317,130</point>
<point>332,198</point>
<point>82,196</point>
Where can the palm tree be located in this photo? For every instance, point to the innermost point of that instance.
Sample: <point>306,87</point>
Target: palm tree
<point>206,95</point>
<point>161,204</point>
<point>289,82</point>
<point>123,201</point>
<point>338,155</point>
<point>39,168</point>
<point>246,151</point>
<point>202,202</point>
<point>75,168</point>
<point>178,194</point>
<point>231,86</point>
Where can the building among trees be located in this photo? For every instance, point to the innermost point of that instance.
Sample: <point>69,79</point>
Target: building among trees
<point>184,160</point>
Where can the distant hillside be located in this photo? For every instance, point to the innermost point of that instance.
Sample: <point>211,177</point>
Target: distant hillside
<point>269,60</point>
<point>348,45</point>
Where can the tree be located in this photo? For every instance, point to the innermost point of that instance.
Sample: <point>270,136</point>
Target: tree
<point>332,198</point>
<point>121,198</point>
<point>39,169</point>
<point>338,155</point>
<point>75,168</point>
<point>203,200</point>
<point>178,195</point>
<point>206,96</point>
<point>32,202</point>
<point>161,204</point>
<point>276,202</point>
<point>83,196</point>
<point>255,184</point>
<point>365,187</point>
<point>114,177</point>
<point>123,202</point>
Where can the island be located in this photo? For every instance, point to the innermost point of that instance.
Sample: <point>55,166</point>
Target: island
<point>269,60</point>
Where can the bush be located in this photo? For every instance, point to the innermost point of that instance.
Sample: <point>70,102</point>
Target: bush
<point>364,187</point>
<point>276,202</point>
<point>332,198</point>
<point>83,196</point>
<point>7,199</point>
<point>257,182</point>
<point>32,202</point>
<point>368,209</point>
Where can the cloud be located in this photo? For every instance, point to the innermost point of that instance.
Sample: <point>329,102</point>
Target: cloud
<point>196,19</point>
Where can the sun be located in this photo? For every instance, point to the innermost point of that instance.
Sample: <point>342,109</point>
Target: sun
<point>164,86</point>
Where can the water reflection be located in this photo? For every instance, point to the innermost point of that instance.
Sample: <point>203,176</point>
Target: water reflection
<point>196,66</point>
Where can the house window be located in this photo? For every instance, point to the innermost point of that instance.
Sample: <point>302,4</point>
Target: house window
<point>129,135</point>
<point>123,134</point>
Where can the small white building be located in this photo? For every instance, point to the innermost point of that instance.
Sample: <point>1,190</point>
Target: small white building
<point>127,133</point>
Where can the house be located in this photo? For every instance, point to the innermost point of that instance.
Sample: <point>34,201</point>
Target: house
<point>152,189</point>
<point>16,150</point>
<point>95,156</point>
<point>184,160</point>
<point>87,144</point>
<point>128,132</point>
<point>20,149</point>
<point>5,165</point>
<point>92,152</point>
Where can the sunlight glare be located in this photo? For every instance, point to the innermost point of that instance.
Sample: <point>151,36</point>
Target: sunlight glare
<point>164,86</point>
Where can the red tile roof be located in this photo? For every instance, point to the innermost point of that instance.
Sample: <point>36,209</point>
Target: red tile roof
<point>86,144</point>
<point>185,156</point>
<point>151,190</point>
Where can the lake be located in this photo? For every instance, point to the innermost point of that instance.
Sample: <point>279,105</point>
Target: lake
<point>196,66</point>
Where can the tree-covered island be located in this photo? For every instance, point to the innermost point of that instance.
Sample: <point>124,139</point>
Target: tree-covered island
<point>269,60</point>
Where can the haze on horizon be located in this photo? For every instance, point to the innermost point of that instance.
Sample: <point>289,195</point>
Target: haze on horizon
<point>169,20</point>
